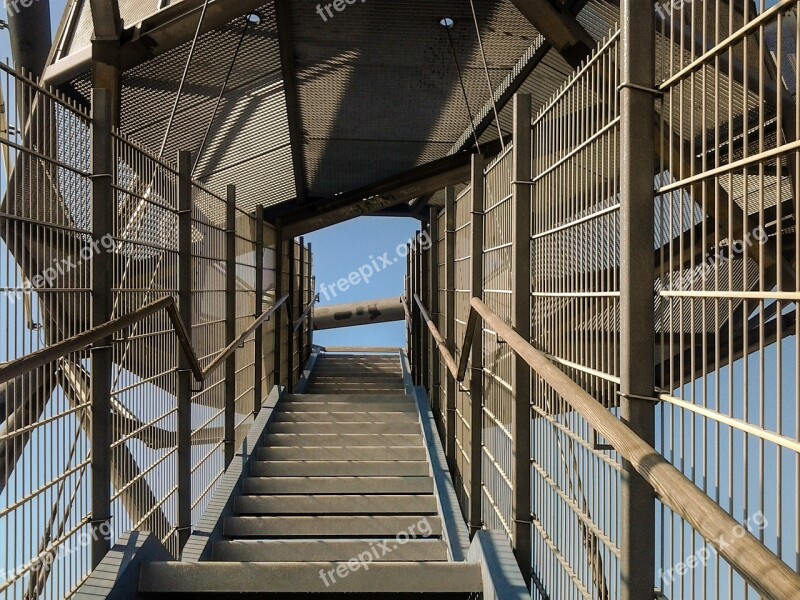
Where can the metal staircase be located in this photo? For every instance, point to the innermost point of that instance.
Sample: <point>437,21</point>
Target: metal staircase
<point>340,500</point>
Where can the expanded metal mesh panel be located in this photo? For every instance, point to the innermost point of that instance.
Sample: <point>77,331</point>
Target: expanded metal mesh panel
<point>498,359</point>
<point>575,300</point>
<point>727,287</point>
<point>383,73</point>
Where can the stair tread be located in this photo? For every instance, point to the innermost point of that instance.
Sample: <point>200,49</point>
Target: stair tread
<point>304,578</point>
<point>320,526</point>
<point>321,468</point>
<point>338,485</point>
<point>422,550</point>
<point>333,427</point>
<point>335,504</point>
<point>293,453</point>
<point>343,439</point>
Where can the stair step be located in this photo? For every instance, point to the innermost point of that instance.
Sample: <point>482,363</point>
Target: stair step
<point>348,406</point>
<point>342,428</point>
<point>322,468</point>
<point>358,453</point>
<point>344,417</point>
<point>350,526</point>
<point>337,485</point>
<point>332,505</point>
<point>345,440</point>
<point>289,579</point>
<point>424,550</point>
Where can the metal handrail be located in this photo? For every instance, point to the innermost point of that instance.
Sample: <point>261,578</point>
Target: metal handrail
<point>308,309</point>
<point>37,359</point>
<point>759,566</point>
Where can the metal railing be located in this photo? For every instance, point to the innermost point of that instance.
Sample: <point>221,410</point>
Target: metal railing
<point>93,303</point>
<point>755,562</point>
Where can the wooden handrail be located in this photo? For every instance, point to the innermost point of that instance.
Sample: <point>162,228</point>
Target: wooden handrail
<point>302,317</point>
<point>752,560</point>
<point>37,359</point>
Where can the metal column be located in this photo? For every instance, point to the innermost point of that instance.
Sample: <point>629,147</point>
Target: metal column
<point>433,285</point>
<point>278,316</point>
<point>184,373</point>
<point>450,318</point>
<point>103,168</point>
<point>291,253</point>
<point>258,391</point>
<point>637,329</point>
<point>425,294</point>
<point>416,317</point>
<point>521,321</point>
<point>302,292</point>
<point>230,324</point>
<point>476,356</point>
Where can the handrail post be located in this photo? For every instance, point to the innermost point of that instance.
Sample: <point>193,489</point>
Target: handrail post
<point>258,371</point>
<point>433,285</point>
<point>230,324</point>
<point>425,294</point>
<point>184,373</point>
<point>292,254</point>
<point>476,358</point>
<point>450,319</point>
<point>522,158</point>
<point>103,167</point>
<point>277,361</point>
<point>637,329</point>
<point>302,302</point>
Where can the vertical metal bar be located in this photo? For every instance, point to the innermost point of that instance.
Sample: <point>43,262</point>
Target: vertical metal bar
<point>433,286</point>
<point>301,333</point>
<point>637,329</point>
<point>276,355</point>
<point>184,373</point>
<point>103,168</point>
<point>292,289</point>
<point>476,357</point>
<point>415,314</point>
<point>258,391</point>
<point>425,293</point>
<point>230,324</point>
<point>521,321</point>
<point>450,318</point>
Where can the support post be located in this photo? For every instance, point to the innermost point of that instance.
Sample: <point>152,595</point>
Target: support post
<point>302,302</point>
<point>103,169</point>
<point>637,329</point>
<point>450,319</point>
<point>476,357</point>
<point>278,316</point>
<point>258,376</point>
<point>292,254</point>
<point>230,324</point>
<point>415,314</point>
<point>184,373</point>
<point>521,321</point>
<point>424,270</point>
<point>433,285</point>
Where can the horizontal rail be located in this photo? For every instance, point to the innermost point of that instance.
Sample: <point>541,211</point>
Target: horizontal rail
<point>743,551</point>
<point>35,360</point>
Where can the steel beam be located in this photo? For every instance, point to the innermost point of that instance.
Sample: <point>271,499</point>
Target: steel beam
<point>359,313</point>
<point>637,327</point>
<point>521,321</point>
<point>230,324</point>
<point>287,51</point>
<point>105,19</point>
<point>476,362</point>
<point>559,27</point>
<point>184,372</point>
<point>30,35</point>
